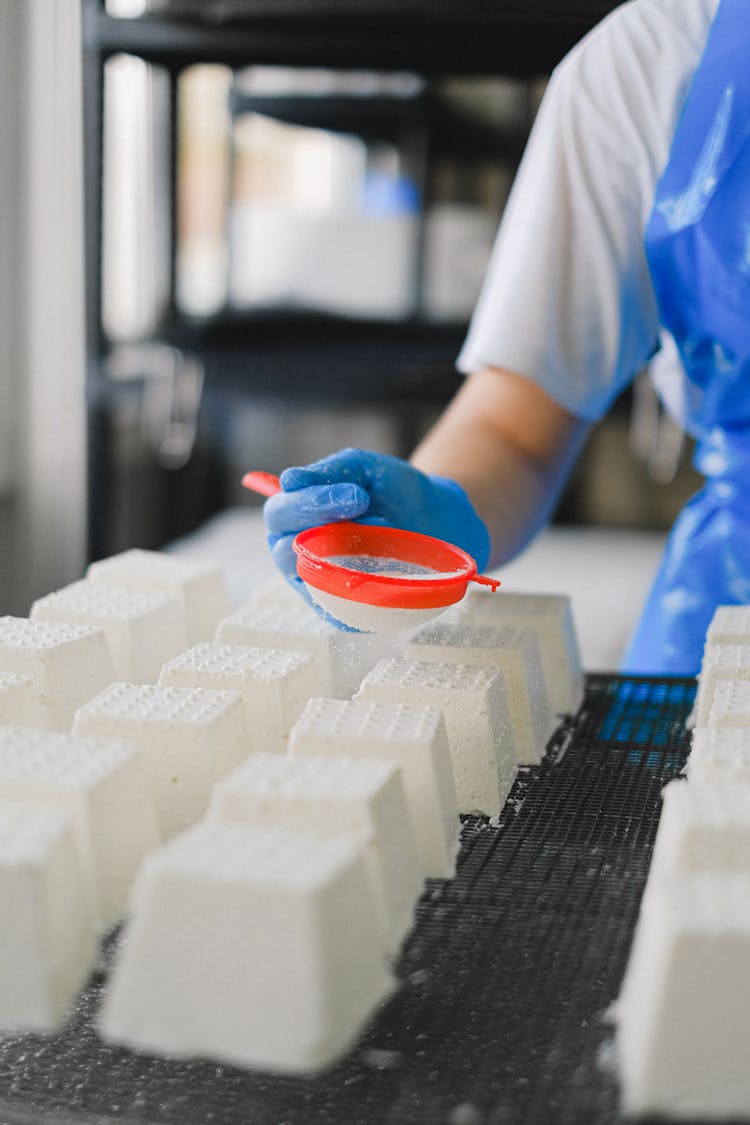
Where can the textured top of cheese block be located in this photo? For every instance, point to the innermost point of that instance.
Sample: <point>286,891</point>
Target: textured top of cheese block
<point>720,662</point>
<point>99,600</point>
<point>461,634</point>
<point>277,859</point>
<point>729,624</point>
<point>400,672</point>
<point>221,659</point>
<point>734,658</point>
<point>143,567</point>
<point>65,760</point>
<point>290,619</point>
<point>363,718</point>
<point>11,681</point>
<point>22,632</point>
<point>151,704</point>
<point>725,749</point>
<point>29,832</point>
<point>731,701</point>
<point>309,779</point>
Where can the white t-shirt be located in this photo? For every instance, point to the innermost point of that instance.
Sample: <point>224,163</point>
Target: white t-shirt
<point>568,300</point>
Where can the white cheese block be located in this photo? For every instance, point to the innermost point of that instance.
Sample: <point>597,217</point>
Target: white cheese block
<point>144,628</point>
<point>730,625</point>
<point>47,938</point>
<point>66,663</point>
<point>719,752</point>
<point>683,1018</point>
<point>103,786</point>
<point>730,705</point>
<point>276,591</point>
<point>472,699</point>
<point>415,738</point>
<point>284,963</point>
<point>341,658</point>
<point>703,827</point>
<point>19,703</point>
<point>188,737</point>
<point>274,684</point>
<point>331,796</point>
<point>720,662</point>
<point>550,618</point>
<point>200,586</point>
<point>515,651</point>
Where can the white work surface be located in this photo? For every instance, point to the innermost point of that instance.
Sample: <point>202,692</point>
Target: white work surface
<point>606,571</point>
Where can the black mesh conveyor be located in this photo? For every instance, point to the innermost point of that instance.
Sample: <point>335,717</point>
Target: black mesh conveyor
<point>505,977</point>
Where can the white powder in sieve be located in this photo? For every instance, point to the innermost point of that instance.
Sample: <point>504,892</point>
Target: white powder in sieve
<point>387,567</point>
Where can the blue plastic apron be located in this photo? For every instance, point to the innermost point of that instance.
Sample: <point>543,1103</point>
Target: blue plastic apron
<point>698,246</point>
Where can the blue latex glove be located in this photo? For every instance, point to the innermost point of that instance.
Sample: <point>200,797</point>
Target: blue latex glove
<point>374,488</point>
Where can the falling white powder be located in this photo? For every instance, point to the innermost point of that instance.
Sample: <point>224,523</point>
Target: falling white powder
<point>372,618</point>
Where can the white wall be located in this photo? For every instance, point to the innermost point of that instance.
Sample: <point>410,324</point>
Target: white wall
<point>42,352</point>
<point>11,22</point>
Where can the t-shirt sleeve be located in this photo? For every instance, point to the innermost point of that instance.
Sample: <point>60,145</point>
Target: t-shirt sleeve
<point>568,300</point>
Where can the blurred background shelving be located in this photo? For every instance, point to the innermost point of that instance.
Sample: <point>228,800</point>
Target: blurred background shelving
<point>289,209</point>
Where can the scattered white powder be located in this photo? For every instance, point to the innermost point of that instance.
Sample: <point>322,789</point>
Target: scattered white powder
<point>372,618</point>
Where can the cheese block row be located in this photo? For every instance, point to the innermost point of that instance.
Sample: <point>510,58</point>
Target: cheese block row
<point>131,614</point>
<point>683,1016</point>
<point>440,726</point>
<point>448,722</point>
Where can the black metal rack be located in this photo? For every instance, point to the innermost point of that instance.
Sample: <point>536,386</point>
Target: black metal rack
<point>469,37</point>
<point>504,981</point>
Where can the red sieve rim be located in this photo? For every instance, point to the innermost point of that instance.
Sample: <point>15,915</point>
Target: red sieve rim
<point>314,546</point>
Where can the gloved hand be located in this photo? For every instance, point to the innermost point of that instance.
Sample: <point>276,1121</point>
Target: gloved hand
<point>374,488</point>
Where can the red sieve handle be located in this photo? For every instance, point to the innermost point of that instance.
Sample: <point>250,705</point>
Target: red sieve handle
<point>483,580</point>
<point>267,484</point>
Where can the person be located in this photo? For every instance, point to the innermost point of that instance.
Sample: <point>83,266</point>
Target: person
<point>626,239</point>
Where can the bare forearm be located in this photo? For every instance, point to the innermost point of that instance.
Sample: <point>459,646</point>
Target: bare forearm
<point>511,447</point>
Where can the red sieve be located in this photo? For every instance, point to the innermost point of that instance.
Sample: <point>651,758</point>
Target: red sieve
<point>386,568</point>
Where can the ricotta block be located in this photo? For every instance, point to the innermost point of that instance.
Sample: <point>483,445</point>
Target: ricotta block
<point>284,964</point>
<point>199,586</point>
<point>47,939</point>
<point>275,684</point>
<point>357,796</point>
<point>66,663</point>
<point>415,738</point>
<point>703,827</point>
<point>720,662</point>
<point>730,625</point>
<point>341,658</point>
<point>189,738</point>
<point>19,702</point>
<point>477,721</point>
<point>276,591</point>
<point>719,752</point>
<point>104,788</point>
<point>515,652</point>
<point>683,1017</point>
<point>730,705</point>
<point>550,618</point>
<point>144,628</point>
